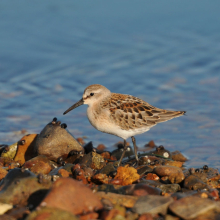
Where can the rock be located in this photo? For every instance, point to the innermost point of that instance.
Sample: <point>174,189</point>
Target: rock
<point>9,151</point>
<point>19,191</point>
<point>152,176</point>
<point>93,160</point>
<point>63,173</point>
<point>118,199</point>
<point>7,217</point>
<point>54,141</point>
<point>39,164</point>
<point>173,163</point>
<point>13,176</point>
<point>178,156</point>
<point>161,151</point>
<point>152,204</point>
<point>101,147</point>
<point>118,152</point>
<point>109,168</point>
<point>166,188</point>
<point>3,172</point>
<point>117,213</point>
<point>143,170</point>
<point>140,189</point>
<point>192,206</point>
<point>72,196</point>
<point>194,183</point>
<point>25,149</point>
<point>51,214</point>
<point>4,207</point>
<point>127,175</point>
<point>100,178</point>
<point>174,174</point>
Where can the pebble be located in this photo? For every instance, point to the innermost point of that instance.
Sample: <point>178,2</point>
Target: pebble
<point>72,196</point>
<point>153,204</point>
<point>55,141</point>
<point>192,206</point>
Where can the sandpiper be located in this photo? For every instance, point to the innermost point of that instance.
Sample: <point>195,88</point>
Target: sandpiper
<point>121,115</point>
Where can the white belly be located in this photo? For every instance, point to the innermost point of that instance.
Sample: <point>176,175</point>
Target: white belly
<point>103,123</point>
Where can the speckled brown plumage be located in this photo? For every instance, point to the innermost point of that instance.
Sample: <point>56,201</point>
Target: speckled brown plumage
<point>130,112</point>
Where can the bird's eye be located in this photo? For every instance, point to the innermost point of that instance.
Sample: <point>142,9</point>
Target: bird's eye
<point>91,94</point>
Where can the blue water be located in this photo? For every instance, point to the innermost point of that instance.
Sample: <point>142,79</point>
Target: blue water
<point>167,53</point>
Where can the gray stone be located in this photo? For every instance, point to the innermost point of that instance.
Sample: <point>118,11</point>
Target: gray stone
<point>55,141</point>
<point>191,207</point>
<point>152,204</point>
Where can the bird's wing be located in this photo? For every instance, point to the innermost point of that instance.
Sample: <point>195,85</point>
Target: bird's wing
<point>130,112</point>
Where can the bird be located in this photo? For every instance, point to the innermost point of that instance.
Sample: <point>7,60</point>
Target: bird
<point>120,114</point>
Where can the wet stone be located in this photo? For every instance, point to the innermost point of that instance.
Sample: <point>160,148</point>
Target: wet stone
<point>152,204</point>
<point>140,189</point>
<point>3,172</point>
<point>118,152</point>
<point>109,168</point>
<point>72,196</point>
<point>55,141</point>
<point>101,147</point>
<point>214,182</point>
<point>9,151</point>
<point>174,174</point>
<point>192,182</point>
<point>51,214</point>
<point>25,149</point>
<point>173,163</point>
<point>117,199</point>
<point>178,156</point>
<point>192,206</point>
<point>127,175</point>
<point>88,147</point>
<point>93,160</point>
<point>13,176</point>
<point>161,151</point>
<point>19,191</point>
<point>152,176</point>
<point>39,164</point>
<point>165,188</point>
<point>143,170</point>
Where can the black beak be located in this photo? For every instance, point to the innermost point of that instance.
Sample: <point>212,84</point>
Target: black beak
<point>80,102</point>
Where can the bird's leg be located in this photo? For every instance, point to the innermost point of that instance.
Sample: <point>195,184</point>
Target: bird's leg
<point>123,153</point>
<point>135,148</point>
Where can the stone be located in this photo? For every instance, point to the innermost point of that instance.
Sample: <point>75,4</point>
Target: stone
<point>93,160</point>
<point>107,169</point>
<point>174,174</point>
<point>178,156</point>
<point>140,189</point>
<point>3,172</point>
<point>192,182</point>
<point>152,204</point>
<point>55,141</point>
<point>127,175</point>
<point>39,164</point>
<point>51,214</point>
<point>173,163</point>
<point>72,196</point>
<point>118,199</point>
<point>143,170</point>
<point>4,207</point>
<point>10,151</point>
<point>19,190</point>
<point>25,149</point>
<point>192,206</point>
